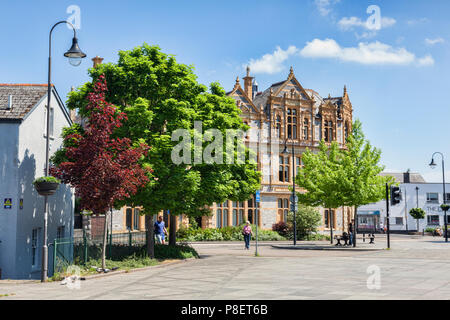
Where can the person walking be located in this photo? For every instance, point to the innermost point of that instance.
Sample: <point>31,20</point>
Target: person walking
<point>350,234</point>
<point>160,230</point>
<point>247,232</point>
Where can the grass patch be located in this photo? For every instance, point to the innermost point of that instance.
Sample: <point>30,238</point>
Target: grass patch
<point>137,259</point>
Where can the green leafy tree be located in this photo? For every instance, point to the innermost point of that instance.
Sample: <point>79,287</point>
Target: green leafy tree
<point>360,179</point>
<point>308,220</point>
<point>417,213</point>
<point>335,177</point>
<point>321,178</point>
<point>160,96</point>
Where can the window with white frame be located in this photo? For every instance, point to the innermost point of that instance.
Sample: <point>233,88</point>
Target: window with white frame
<point>51,122</point>
<point>399,221</point>
<point>433,220</point>
<point>52,118</point>
<point>432,197</point>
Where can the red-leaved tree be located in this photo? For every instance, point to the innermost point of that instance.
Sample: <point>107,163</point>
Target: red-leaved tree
<point>103,169</point>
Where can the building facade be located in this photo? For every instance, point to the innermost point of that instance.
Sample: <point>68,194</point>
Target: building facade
<point>416,193</point>
<point>22,160</point>
<point>284,114</point>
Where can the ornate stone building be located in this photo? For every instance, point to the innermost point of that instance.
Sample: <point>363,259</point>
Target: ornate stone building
<point>284,114</point>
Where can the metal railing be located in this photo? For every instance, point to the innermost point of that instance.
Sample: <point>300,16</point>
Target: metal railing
<point>80,250</point>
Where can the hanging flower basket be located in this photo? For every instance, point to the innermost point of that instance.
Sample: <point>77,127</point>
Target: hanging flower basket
<point>46,186</point>
<point>445,207</point>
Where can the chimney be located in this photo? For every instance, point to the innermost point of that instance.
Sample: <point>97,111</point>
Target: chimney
<point>248,85</point>
<point>9,106</point>
<point>407,177</point>
<point>97,60</point>
<point>73,112</point>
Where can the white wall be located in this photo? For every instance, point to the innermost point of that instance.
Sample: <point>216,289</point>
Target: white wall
<point>30,165</point>
<point>9,137</point>
<point>402,209</point>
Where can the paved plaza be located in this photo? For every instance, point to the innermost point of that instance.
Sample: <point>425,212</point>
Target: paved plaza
<point>415,268</point>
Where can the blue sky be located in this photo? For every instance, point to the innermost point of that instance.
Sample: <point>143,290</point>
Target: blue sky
<point>396,72</point>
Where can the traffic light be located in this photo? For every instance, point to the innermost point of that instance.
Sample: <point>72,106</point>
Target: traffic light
<point>396,196</point>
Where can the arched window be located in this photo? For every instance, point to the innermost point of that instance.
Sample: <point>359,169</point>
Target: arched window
<point>278,125</point>
<point>292,123</point>
<point>305,129</point>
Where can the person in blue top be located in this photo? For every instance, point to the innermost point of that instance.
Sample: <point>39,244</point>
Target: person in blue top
<point>160,230</point>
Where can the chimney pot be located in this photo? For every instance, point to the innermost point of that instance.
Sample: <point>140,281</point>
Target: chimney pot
<point>97,60</point>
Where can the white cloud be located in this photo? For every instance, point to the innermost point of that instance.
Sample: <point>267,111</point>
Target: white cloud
<point>272,62</point>
<point>325,6</point>
<point>432,42</point>
<point>426,61</point>
<point>352,22</point>
<point>374,53</point>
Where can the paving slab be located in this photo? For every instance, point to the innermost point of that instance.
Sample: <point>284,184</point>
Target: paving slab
<point>414,268</point>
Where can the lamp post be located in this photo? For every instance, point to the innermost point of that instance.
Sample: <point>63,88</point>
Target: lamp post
<point>293,200</point>
<point>75,55</point>
<point>417,197</point>
<point>433,165</point>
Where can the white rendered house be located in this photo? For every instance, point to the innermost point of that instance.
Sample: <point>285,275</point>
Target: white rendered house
<point>22,159</point>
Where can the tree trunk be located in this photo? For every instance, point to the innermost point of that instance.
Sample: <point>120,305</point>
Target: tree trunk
<point>150,236</point>
<point>105,228</point>
<point>173,230</point>
<point>355,226</point>
<point>417,225</point>
<point>330,214</point>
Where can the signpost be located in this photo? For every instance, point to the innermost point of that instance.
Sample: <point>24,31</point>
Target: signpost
<point>257,201</point>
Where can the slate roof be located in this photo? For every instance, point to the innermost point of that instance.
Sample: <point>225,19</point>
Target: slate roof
<point>24,98</point>
<point>400,177</point>
<point>336,101</point>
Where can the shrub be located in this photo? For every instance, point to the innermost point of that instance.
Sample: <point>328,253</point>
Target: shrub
<point>308,220</point>
<point>174,252</point>
<point>231,233</point>
<point>282,228</point>
<point>121,252</point>
<point>417,213</point>
<point>47,179</point>
<point>268,235</point>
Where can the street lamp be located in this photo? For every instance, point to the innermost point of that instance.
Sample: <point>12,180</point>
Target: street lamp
<point>417,198</point>
<point>433,165</point>
<point>75,55</point>
<point>293,200</point>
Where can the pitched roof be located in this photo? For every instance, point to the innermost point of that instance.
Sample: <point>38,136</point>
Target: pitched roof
<point>239,94</point>
<point>402,177</point>
<point>24,98</point>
